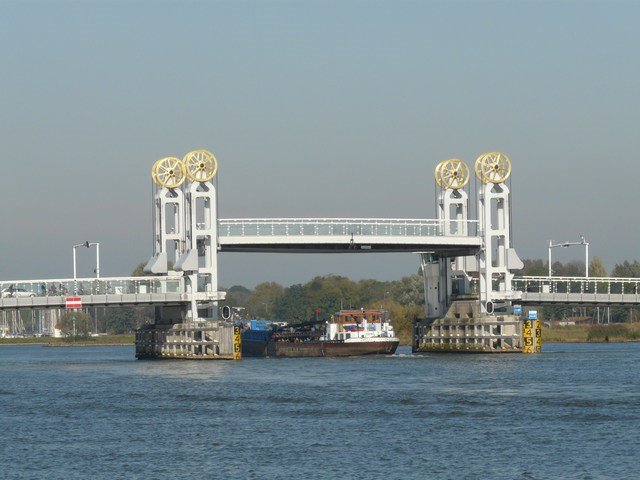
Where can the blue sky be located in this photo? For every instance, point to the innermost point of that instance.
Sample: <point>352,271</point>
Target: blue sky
<point>331,109</point>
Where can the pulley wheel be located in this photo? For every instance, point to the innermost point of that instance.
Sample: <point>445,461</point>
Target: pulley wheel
<point>168,172</point>
<point>201,165</point>
<point>452,173</point>
<point>493,167</point>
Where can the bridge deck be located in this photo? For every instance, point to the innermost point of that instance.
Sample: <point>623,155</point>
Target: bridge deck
<point>96,300</point>
<point>112,291</point>
<point>578,290</point>
<point>579,299</point>
<point>349,235</point>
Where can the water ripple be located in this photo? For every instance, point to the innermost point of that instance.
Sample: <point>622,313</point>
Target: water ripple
<point>569,413</point>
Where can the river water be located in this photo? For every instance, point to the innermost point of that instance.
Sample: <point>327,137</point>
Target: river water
<point>95,412</point>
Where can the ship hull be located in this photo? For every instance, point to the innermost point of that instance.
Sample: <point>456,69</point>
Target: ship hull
<point>330,349</point>
<point>254,343</point>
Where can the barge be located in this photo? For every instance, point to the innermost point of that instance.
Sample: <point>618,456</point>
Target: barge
<point>348,333</point>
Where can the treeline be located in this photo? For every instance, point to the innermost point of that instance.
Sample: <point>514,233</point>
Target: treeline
<point>575,268</point>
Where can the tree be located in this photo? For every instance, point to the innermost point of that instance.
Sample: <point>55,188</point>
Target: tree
<point>263,299</point>
<point>374,291</point>
<point>626,269</point>
<point>238,295</point>
<point>574,268</point>
<point>330,294</point>
<point>409,290</point>
<point>402,317</point>
<point>118,320</point>
<point>534,268</point>
<point>75,324</point>
<point>293,306</point>
<point>596,268</point>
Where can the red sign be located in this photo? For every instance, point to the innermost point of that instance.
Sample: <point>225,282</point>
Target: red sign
<point>74,302</point>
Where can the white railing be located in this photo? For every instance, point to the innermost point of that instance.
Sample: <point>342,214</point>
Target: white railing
<point>343,227</point>
<point>577,285</point>
<point>90,286</point>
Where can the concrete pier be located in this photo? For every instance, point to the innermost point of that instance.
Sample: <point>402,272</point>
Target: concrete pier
<point>464,329</point>
<point>203,339</point>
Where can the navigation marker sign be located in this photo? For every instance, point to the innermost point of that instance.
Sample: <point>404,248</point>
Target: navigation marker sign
<point>73,303</point>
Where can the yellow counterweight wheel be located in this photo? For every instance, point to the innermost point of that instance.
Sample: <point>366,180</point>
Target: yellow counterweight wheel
<point>201,165</point>
<point>168,172</point>
<point>452,173</point>
<point>493,167</point>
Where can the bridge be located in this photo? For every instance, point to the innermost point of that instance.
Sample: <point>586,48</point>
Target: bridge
<point>474,255</point>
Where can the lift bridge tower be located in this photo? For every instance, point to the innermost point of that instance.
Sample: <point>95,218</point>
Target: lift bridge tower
<point>469,300</point>
<point>185,246</point>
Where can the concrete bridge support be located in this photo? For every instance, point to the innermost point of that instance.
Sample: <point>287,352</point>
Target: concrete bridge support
<point>211,340</point>
<point>185,232</point>
<point>459,319</point>
<point>465,328</point>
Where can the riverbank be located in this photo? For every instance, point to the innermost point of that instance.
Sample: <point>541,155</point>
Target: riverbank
<point>107,340</point>
<point>616,332</point>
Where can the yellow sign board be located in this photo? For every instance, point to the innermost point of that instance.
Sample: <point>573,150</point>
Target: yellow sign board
<point>531,336</point>
<point>237,343</point>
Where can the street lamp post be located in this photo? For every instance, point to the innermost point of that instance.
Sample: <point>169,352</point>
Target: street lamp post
<point>569,244</point>
<point>86,244</point>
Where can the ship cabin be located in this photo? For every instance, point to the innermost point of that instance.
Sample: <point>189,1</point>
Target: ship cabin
<point>350,324</point>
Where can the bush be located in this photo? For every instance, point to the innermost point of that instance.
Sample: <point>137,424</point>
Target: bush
<point>614,332</point>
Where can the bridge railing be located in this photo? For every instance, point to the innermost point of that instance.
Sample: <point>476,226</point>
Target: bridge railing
<point>343,227</point>
<point>577,285</point>
<point>90,286</point>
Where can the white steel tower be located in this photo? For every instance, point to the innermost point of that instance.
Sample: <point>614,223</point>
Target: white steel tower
<point>185,225</point>
<point>497,260</point>
<point>451,176</point>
